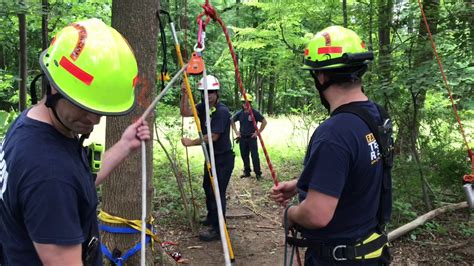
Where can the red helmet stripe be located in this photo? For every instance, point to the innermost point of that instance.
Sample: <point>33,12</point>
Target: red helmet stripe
<point>330,50</point>
<point>215,84</point>
<point>76,71</point>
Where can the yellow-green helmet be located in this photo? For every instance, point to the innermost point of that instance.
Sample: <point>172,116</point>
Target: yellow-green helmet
<point>249,97</point>
<point>93,66</point>
<point>335,47</point>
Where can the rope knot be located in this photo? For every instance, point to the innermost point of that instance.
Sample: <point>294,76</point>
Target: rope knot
<point>210,11</point>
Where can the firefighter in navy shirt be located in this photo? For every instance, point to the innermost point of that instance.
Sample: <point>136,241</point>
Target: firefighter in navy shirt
<point>224,156</point>
<point>341,190</point>
<point>48,196</point>
<point>247,137</point>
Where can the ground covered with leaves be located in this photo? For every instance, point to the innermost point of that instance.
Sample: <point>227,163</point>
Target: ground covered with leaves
<point>257,236</point>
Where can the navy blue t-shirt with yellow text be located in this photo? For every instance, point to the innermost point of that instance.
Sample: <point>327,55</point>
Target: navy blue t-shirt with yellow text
<point>48,194</point>
<point>343,160</point>
<point>220,124</point>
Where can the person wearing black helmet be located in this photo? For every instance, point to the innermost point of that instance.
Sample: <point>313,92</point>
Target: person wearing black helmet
<point>344,190</point>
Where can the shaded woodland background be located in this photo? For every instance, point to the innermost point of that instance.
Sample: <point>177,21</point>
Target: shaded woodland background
<point>269,38</point>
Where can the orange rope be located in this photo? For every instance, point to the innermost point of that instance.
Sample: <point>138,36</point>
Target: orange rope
<point>210,12</point>
<point>469,151</point>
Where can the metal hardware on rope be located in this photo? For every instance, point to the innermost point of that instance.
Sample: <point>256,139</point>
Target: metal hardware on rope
<point>199,64</point>
<point>143,151</point>
<point>210,12</point>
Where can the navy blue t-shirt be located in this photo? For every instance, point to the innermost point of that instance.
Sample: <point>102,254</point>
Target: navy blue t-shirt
<point>220,124</point>
<point>343,160</point>
<point>47,191</point>
<point>245,121</point>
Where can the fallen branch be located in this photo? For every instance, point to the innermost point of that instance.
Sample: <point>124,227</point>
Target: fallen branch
<point>402,230</point>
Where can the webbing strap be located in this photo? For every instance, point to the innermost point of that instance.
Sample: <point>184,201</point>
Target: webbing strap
<point>383,136</point>
<point>349,252</point>
<point>118,230</point>
<point>119,261</point>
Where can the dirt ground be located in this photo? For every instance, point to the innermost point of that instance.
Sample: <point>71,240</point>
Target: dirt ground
<point>257,236</point>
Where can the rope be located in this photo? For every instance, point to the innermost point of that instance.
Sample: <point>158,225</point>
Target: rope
<point>440,65</point>
<point>143,152</point>
<point>210,12</point>
<point>180,62</point>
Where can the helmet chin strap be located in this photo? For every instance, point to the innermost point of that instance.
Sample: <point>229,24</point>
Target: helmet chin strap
<point>322,87</point>
<point>51,101</point>
<point>335,77</point>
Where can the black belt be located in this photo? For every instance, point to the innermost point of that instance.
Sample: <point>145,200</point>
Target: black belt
<point>340,252</point>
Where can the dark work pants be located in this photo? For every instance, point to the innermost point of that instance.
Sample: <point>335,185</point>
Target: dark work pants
<point>249,145</point>
<point>224,168</point>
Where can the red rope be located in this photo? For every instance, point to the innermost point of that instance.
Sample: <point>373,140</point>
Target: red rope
<point>469,151</point>
<point>210,12</point>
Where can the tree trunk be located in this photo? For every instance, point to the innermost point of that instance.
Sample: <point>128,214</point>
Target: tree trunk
<point>23,58</point>
<point>2,57</point>
<point>121,192</point>
<point>402,230</point>
<point>423,53</point>
<point>385,8</point>
<point>344,12</point>
<point>271,93</point>
<point>408,134</point>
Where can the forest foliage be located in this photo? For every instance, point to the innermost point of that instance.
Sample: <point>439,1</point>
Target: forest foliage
<point>269,38</point>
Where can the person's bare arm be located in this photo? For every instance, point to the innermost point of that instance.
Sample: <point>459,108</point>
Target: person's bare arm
<point>130,141</point>
<point>316,211</point>
<point>234,127</point>
<point>194,142</point>
<point>263,125</point>
<point>56,255</point>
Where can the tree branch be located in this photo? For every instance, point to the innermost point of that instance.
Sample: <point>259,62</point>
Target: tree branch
<point>402,230</point>
<point>292,48</point>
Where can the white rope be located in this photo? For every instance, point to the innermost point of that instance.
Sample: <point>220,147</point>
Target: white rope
<point>143,117</point>
<point>217,193</point>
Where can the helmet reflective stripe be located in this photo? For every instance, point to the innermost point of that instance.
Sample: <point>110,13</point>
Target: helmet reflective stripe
<point>330,50</point>
<point>80,41</point>
<point>76,71</point>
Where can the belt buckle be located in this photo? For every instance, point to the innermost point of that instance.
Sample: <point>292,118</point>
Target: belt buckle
<point>334,253</point>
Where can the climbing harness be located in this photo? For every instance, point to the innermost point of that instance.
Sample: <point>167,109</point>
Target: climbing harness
<point>374,245</point>
<point>468,179</point>
<point>132,227</point>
